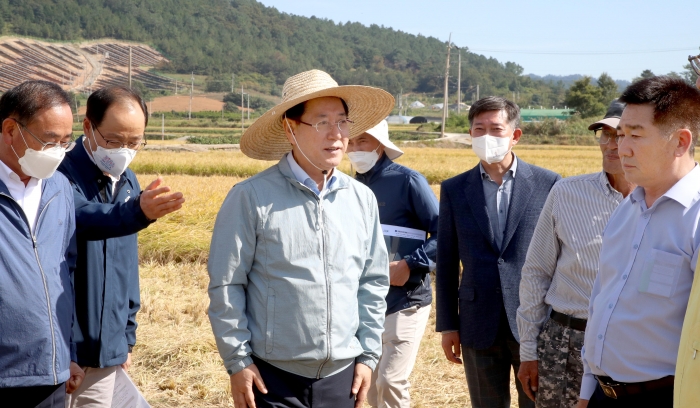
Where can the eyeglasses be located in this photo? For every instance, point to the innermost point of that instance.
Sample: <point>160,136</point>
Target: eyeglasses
<point>605,135</point>
<point>695,63</point>
<point>324,126</point>
<point>115,144</point>
<point>45,145</point>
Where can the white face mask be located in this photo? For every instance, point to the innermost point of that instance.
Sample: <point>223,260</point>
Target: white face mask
<point>112,161</point>
<point>491,149</point>
<point>363,161</point>
<point>40,164</point>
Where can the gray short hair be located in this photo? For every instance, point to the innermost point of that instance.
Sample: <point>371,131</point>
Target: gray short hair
<point>29,98</point>
<point>496,103</point>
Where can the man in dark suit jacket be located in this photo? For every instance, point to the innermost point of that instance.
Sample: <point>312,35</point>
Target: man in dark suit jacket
<point>487,217</point>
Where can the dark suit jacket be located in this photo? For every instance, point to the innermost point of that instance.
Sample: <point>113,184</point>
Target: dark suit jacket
<point>491,278</point>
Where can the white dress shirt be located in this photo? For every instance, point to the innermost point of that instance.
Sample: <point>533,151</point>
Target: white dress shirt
<point>28,197</point>
<point>640,295</point>
<point>562,260</point>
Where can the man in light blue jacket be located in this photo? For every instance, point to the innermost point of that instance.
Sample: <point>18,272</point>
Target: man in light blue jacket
<point>38,251</point>
<point>298,267</point>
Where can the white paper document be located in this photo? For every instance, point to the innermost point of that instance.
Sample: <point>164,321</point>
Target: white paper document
<point>403,232</point>
<point>126,395</point>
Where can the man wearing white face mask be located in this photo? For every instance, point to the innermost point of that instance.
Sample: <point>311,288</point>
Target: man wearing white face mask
<point>38,248</point>
<point>487,217</point>
<point>406,201</point>
<point>110,210</point>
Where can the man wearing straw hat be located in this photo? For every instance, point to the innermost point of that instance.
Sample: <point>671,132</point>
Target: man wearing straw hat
<point>298,266</point>
<point>408,208</point>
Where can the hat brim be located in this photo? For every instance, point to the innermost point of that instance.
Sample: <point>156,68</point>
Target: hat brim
<point>265,139</point>
<point>612,122</point>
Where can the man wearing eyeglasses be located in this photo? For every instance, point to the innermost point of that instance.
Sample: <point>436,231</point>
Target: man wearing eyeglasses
<point>37,241</point>
<point>110,210</point>
<point>298,267</point>
<point>560,267</point>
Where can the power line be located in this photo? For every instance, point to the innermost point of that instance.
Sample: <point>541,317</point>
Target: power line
<point>534,52</point>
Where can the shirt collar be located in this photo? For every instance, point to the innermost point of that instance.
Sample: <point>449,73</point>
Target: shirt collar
<point>513,168</point>
<point>605,184</point>
<point>685,191</point>
<point>304,178</point>
<point>7,175</point>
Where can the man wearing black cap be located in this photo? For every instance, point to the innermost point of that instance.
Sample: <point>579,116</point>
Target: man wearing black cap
<point>559,270</point>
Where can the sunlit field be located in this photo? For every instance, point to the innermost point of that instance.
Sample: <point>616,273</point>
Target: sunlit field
<point>175,360</point>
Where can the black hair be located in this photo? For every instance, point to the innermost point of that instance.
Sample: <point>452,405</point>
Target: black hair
<point>676,104</point>
<point>29,98</point>
<point>100,100</point>
<point>496,103</point>
<point>296,111</point>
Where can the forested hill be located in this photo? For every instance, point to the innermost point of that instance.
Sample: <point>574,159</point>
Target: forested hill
<point>219,37</point>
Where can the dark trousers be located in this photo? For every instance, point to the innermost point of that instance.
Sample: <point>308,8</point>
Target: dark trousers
<point>45,396</point>
<point>662,398</point>
<point>287,390</point>
<point>488,371</point>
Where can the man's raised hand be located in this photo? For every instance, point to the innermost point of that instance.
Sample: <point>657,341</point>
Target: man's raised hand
<point>157,201</point>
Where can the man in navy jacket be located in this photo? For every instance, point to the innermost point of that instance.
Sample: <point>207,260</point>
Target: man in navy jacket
<point>405,200</point>
<point>487,217</point>
<point>37,237</point>
<point>110,209</point>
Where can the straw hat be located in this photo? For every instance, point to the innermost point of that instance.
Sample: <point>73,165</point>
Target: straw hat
<point>381,133</point>
<point>265,138</point>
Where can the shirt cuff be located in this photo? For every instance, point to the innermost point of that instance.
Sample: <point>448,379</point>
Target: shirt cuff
<point>236,366</point>
<point>528,351</point>
<point>366,360</point>
<point>449,331</point>
<point>588,384</point>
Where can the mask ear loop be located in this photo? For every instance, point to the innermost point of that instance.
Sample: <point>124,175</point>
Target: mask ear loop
<point>324,172</point>
<point>23,139</point>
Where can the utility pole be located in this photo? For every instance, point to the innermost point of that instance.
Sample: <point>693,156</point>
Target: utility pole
<point>150,108</point>
<point>248,98</point>
<point>233,77</point>
<point>176,87</point>
<point>189,116</point>
<point>242,117</point>
<point>459,81</point>
<point>129,67</point>
<point>162,126</point>
<point>447,74</point>
<point>477,92</point>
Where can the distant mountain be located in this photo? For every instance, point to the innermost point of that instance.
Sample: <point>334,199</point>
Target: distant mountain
<point>568,80</point>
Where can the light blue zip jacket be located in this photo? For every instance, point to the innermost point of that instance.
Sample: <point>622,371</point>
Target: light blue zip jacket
<point>36,293</point>
<point>296,280</point>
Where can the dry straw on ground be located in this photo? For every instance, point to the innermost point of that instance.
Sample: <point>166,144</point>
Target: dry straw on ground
<point>175,360</point>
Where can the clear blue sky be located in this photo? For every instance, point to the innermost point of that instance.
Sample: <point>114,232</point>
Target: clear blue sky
<point>512,30</point>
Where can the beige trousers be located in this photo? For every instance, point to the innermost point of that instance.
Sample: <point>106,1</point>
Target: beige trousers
<point>403,332</point>
<point>96,391</point>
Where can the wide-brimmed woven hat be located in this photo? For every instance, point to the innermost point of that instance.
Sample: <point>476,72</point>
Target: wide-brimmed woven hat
<point>265,138</point>
<point>381,133</point>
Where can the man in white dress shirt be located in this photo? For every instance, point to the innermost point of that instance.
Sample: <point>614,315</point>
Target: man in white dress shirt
<point>559,270</point>
<point>649,252</point>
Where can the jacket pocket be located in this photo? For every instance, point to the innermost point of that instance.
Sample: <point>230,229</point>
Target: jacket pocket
<point>269,333</point>
<point>466,293</point>
<point>660,273</point>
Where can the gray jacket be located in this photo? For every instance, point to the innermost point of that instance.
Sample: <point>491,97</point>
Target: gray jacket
<point>298,281</point>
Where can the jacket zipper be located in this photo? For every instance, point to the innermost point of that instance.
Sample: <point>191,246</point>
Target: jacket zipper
<point>43,277</point>
<point>328,286</point>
